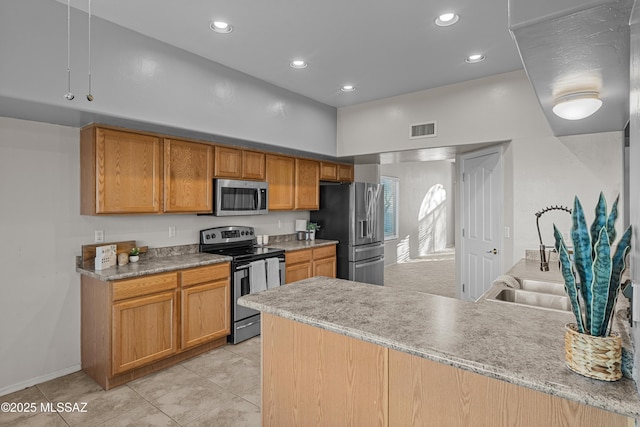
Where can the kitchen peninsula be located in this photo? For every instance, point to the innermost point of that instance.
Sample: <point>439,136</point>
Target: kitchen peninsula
<point>335,350</point>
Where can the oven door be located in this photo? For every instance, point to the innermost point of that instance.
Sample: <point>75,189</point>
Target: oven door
<point>246,321</point>
<point>241,286</point>
<point>236,197</point>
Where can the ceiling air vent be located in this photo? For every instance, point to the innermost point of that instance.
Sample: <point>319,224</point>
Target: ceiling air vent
<point>423,130</point>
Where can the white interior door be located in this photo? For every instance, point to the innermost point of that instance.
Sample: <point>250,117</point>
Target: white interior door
<point>481,221</point>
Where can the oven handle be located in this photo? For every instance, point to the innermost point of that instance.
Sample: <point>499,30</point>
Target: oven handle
<point>247,325</point>
<point>246,266</point>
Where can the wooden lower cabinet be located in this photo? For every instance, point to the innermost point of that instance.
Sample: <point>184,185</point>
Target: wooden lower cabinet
<point>306,263</point>
<point>132,327</point>
<point>298,265</point>
<point>205,313</point>
<point>144,330</point>
<point>312,376</point>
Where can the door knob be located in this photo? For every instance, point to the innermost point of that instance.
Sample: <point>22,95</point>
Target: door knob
<point>493,251</point>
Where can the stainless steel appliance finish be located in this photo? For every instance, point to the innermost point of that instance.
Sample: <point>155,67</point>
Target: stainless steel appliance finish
<point>240,243</point>
<point>237,197</point>
<point>352,213</point>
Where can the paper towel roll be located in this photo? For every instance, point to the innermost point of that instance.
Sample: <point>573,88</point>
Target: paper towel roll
<point>301,224</point>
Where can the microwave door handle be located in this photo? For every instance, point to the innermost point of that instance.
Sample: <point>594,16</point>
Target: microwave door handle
<point>258,197</point>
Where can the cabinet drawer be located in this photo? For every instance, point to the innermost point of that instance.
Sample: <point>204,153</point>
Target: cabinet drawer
<point>296,257</point>
<point>144,285</point>
<point>324,252</point>
<point>205,274</point>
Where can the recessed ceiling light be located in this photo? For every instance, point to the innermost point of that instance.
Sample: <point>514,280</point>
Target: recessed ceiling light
<point>298,64</point>
<point>220,27</point>
<point>447,19</point>
<point>472,59</point>
<point>348,88</point>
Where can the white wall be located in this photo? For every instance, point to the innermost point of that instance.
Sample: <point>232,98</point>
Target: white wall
<point>42,232</point>
<point>137,80</point>
<point>540,169</point>
<point>416,179</point>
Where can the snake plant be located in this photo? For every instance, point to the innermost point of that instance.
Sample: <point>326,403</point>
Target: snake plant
<point>594,292</point>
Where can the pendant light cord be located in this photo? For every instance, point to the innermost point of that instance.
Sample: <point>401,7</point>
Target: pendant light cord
<point>69,45</point>
<point>89,95</point>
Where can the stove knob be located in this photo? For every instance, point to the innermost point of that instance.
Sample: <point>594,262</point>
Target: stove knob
<point>206,237</point>
<point>213,235</point>
<point>251,232</point>
<point>242,233</point>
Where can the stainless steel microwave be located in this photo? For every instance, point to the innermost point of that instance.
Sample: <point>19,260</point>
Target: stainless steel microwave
<point>237,197</point>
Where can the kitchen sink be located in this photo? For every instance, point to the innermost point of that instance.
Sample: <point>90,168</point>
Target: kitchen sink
<point>543,287</point>
<point>534,299</point>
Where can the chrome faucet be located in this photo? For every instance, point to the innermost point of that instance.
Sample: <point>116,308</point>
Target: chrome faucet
<point>544,263</point>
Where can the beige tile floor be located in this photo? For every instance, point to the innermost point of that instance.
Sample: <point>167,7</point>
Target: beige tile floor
<point>218,388</point>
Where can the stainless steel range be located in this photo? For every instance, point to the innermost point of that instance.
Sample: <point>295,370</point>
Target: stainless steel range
<point>254,268</point>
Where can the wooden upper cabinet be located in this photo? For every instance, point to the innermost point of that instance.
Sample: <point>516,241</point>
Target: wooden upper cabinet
<point>236,163</point>
<point>307,187</point>
<point>280,174</point>
<point>228,163</point>
<point>188,177</point>
<point>120,172</point>
<point>253,165</point>
<point>328,171</point>
<point>338,172</point>
<point>345,173</point>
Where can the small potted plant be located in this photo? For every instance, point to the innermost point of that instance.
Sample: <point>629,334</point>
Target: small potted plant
<point>591,348</point>
<point>311,230</point>
<point>134,255</point>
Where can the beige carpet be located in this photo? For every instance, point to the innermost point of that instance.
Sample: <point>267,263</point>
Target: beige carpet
<point>433,274</point>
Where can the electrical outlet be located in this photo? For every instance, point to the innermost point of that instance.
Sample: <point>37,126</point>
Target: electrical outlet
<point>172,231</point>
<point>279,223</point>
<point>98,236</point>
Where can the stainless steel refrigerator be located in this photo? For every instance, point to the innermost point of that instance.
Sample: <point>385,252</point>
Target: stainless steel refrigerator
<point>353,214</point>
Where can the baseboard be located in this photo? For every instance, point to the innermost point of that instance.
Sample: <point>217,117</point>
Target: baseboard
<point>38,380</point>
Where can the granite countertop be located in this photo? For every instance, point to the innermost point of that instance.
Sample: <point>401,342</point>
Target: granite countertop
<point>296,245</point>
<point>153,266</point>
<point>520,345</point>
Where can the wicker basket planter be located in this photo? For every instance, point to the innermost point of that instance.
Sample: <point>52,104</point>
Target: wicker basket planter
<point>594,357</point>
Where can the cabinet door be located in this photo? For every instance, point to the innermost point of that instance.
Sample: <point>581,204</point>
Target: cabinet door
<point>325,267</point>
<point>128,170</point>
<point>299,265</point>
<point>188,176</point>
<point>253,165</point>
<point>228,162</point>
<point>328,171</point>
<point>298,272</point>
<point>345,173</point>
<point>205,313</point>
<point>144,330</point>
<point>281,179</point>
<point>307,184</point>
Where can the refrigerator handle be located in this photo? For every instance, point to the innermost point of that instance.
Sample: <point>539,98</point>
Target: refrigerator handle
<point>366,264</point>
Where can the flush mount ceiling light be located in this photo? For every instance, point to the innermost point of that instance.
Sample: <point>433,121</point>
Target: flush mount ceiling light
<point>472,59</point>
<point>576,106</point>
<point>220,27</point>
<point>298,64</point>
<point>348,88</point>
<point>447,19</point>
